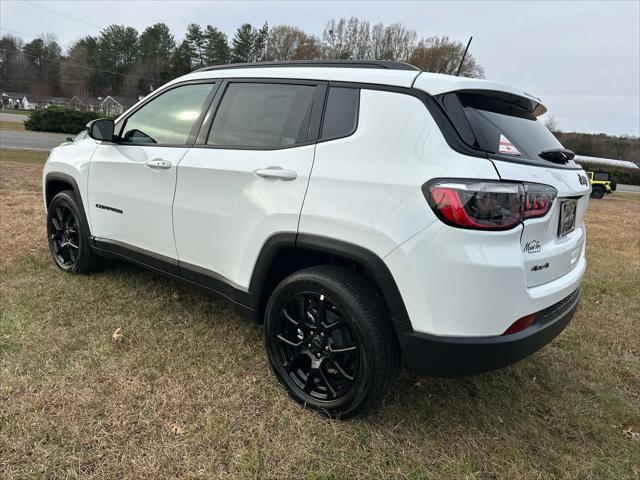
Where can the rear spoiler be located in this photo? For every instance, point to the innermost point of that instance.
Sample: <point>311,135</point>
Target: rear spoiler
<point>436,84</point>
<point>529,102</point>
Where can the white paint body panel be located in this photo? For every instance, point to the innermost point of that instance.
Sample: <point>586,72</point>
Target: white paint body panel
<point>224,212</point>
<point>72,159</point>
<point>120,179</point>
<point>469,283</point>
<point>366,189</point>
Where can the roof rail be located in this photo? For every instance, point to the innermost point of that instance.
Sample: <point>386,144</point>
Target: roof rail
<point>383,64</point>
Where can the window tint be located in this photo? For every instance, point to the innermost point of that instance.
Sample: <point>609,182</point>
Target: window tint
<point>491,123</point>
<point>169,118</point>
<point>263,115</point>
<point>341,113</point>
<point>601,176</point>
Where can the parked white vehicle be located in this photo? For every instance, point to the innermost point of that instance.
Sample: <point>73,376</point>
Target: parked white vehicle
<point>364,211</point>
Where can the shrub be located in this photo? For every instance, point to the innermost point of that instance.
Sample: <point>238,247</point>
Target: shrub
<point>59,119</point>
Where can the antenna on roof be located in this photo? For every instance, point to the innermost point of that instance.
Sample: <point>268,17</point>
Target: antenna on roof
<point>463,57</point>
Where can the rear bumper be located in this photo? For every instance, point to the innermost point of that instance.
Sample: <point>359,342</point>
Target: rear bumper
<point>454,356</point>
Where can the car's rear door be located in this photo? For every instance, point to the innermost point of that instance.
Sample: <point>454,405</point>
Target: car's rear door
<point>245,179</point>
<point>132,182</point>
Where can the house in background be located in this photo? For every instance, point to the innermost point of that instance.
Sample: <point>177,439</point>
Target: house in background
<point>18,100</point>
<point>29,102</point>
<point>110,106</point>
<point>113,106</point>
<point>55,101</point>
<point>85,104</point>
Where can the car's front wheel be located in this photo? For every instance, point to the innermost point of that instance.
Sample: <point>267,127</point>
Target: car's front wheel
<point>68,236</point>
<point>329,340</point>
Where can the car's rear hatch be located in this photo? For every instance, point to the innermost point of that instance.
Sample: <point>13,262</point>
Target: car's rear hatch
<point>505,127</point>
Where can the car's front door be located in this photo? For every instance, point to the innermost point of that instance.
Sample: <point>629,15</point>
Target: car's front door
<point>247,180</point>
<point>132,182</point>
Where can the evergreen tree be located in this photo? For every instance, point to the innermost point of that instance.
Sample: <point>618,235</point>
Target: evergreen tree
<point>259,43</point>
<point>195,39</point>
<point>242,44</point>
<point>181,60</point>
<point>216,48</point>
<point>156,46</point>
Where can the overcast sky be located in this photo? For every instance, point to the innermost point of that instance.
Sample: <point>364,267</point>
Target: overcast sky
<point>581,58</point>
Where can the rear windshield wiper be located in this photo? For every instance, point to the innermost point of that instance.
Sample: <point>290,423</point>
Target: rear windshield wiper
<point>557,155</point>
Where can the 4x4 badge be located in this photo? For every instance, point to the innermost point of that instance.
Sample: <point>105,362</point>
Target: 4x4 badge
<point>537,268</point>
<point>583,180</point>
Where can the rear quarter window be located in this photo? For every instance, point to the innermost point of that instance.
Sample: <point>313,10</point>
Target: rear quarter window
<point>341,113</point>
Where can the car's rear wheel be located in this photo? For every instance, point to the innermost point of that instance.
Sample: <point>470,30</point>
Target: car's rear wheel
<point>329,340</point>
<point>597,192</point>
<point>68,236</point>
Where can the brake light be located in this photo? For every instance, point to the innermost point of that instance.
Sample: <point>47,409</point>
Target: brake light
<point>488,205</point>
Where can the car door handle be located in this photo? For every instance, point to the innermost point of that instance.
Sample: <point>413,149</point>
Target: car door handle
<point>277,173</point>
<point>158,164</point>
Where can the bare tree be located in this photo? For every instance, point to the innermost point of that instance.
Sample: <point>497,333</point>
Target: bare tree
<point>442,55</point>
<point>551,124</point>
<point>334,45</point>
<point>358,40</point>
<point>393,42</point>
<point>290,43</point>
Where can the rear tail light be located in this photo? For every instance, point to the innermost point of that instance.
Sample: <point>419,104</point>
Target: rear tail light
<point>488,205</point>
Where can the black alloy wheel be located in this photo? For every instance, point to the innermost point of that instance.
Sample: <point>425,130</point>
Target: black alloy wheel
<point>64,236</point>
<point>68,235</point>
<point>316,346</point>
<point>330,341</point>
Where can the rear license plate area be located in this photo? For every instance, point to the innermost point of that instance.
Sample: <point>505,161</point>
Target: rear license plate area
<point>567,217</point>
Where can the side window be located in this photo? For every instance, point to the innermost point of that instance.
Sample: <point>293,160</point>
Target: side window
<point>263,115</point>
<point>341,113</point>
<point>169,118</point>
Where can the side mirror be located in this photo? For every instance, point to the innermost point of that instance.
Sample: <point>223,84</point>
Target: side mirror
<point>101,129</point>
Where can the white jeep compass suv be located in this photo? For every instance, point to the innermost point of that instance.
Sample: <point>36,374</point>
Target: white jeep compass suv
<point>363,211</point>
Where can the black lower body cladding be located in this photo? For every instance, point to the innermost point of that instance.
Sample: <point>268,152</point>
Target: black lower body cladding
<point>457,356</point>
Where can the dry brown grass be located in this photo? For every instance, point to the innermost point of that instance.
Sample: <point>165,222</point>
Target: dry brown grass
<point>11,126</point>
<point>22,213</point>
<point>187,392</point>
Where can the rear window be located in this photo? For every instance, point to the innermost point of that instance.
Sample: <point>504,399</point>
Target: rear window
<point>601,176</point>
<point>498,126</point>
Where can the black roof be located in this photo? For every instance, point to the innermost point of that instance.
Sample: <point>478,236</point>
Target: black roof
<point>383,64</point>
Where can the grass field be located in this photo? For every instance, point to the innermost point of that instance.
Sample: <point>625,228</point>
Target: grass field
<point>11,126</point>
<point>16,112</point>
<point>188,392</point>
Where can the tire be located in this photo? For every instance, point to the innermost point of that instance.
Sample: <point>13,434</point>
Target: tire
<point>68,236</point>
<point>597,192</point>
<point>343,356</point>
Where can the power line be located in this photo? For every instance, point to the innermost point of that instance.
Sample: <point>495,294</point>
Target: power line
<point>82,66</point>
<point>66,15</point>
<point>18,33</point>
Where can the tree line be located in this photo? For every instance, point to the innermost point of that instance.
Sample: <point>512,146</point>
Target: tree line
<point>600,145</point>
<point>122,61</point>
